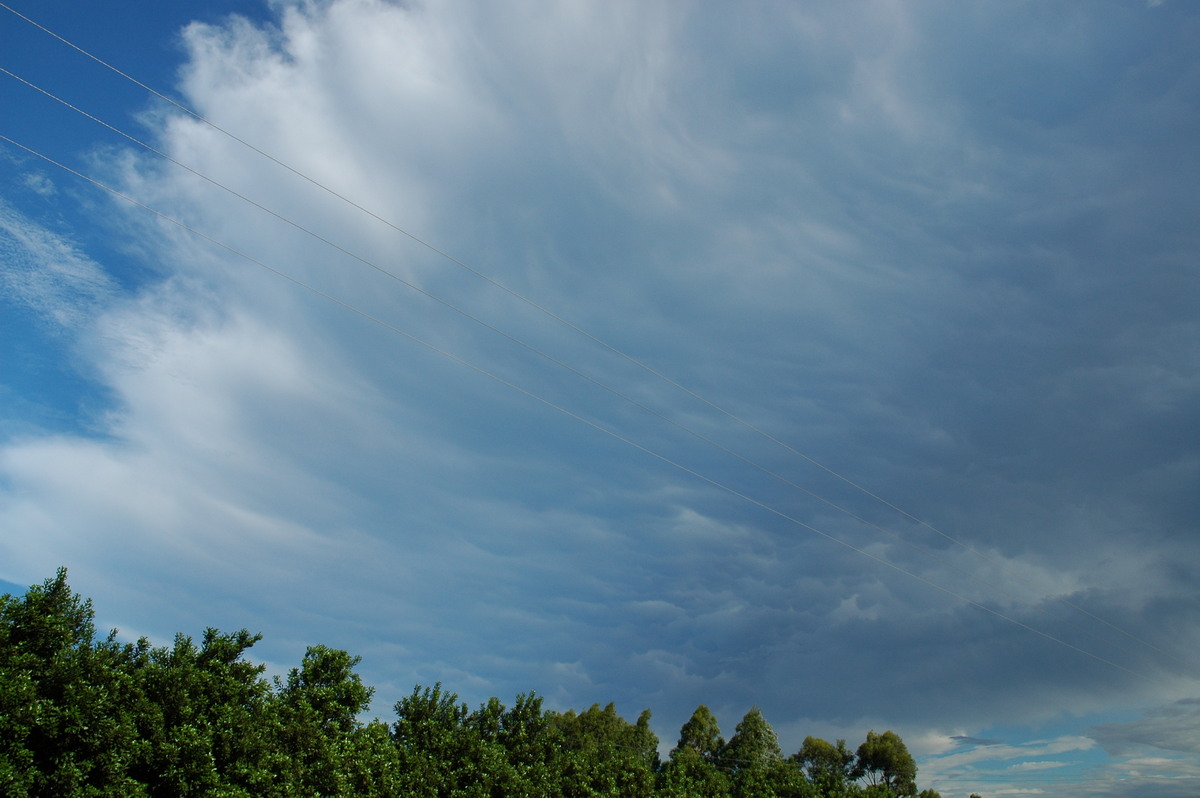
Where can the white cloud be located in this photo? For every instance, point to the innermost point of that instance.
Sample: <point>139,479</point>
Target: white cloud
<point>795,210</point>
<point>1043,765</point>
<point>40,184</point>
<point>1003,753</point>
<point>48,273</point>
<point>1174,728</point>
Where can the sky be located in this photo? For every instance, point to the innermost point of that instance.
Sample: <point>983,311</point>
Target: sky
<point>841,359</point>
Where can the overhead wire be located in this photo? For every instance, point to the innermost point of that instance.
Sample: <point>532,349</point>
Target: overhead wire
<point>514,339</point>
<point>565,411</point>
<point>533,349</point>
<point>1001,567</point>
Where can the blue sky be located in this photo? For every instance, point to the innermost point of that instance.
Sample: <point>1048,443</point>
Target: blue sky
<point>930,261</point>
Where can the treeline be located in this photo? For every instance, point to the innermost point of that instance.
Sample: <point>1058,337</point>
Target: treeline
<point>88,716</point>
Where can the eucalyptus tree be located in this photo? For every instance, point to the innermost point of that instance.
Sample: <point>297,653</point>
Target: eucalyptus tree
<point>606,755</point>
<point>755,762</point>
<point>884,762</point>
<point>828,766</point>
<point>691,770</point>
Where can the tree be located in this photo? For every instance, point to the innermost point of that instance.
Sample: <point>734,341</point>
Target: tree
<point>884,761</point>
<point>202,717</point>
<point>524,743</point>
<point>688,775</point>
<point>702,735</point>
<point>86,717</point>
<point>434,743</point>
<point>605,755</point>
<point>753,744</point>
<point>315,720</point>
<point>756,764</point>
<point>326,685</point>
<point>691,771</point>
<point>829,767</point>
<point>370,763</point>
<point>64,728</point>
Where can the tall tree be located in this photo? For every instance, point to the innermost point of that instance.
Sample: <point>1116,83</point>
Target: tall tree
<point>605,755</point>
<point>63,725</point>
<point>688,775</point>
<point>202,719</point>
<point>435,745</point>
<point>691,771</point>
<point>702,734</point>
<point>370,763</point>
<point>315,719</point>
<point>884,761</point>
<point>526,745</point>
<point>828,766</point>
<point>87,717</point>
<point>753,758</point>
<point>753,743</point>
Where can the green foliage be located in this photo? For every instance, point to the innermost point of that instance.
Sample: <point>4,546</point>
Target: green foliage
<point>326,690</point>
<point>752,746</point>
<point>81,716</point>
<point>828,767</point>
<point>436,747</point>
<point>605,755</point>
<point>63,731</point>
<point>883,760</point>
<point>525,746</point>
<point>756,764</point>
<point>692,770</point>
<point>689,775</point>
<point>314,721</point>
<point>201,713</point>
<point>702,734</point>
<point>370,767</point>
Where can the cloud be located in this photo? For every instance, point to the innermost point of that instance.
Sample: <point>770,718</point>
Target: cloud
<point>49,274</point>
<point>871,233</point>
<point>962,739</point>
<point>1003,753</point>
<point>1045,765</point>
<point>40,184</point>
<point>1174,728</point>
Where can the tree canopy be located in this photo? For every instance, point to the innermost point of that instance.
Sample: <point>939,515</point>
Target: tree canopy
<point>883,760</point>
<point>88,716</point>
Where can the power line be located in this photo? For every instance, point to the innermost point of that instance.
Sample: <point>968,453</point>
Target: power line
<point>560,409</point>
<point>446,303</point>
<point>572,326</point>
<point>541,353</point>
<point>1003,568</point>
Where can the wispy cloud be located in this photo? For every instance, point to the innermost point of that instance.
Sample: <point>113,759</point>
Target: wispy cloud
<point>946,252</point>
<point>40,184</point>
<point>48,273</point>
<point>1174,728</point>
<point>1041,765</point>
